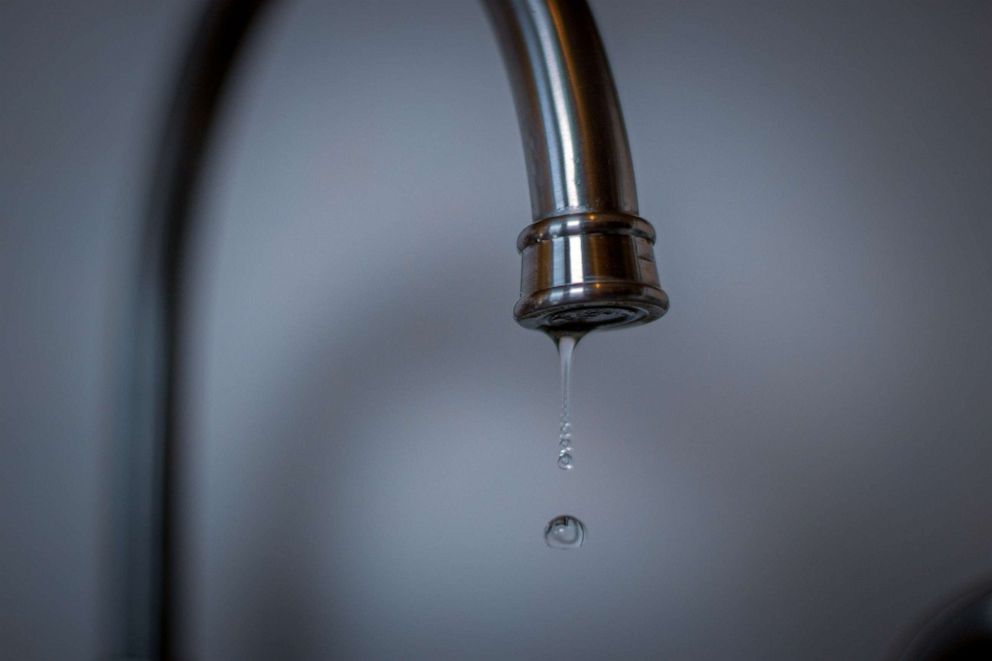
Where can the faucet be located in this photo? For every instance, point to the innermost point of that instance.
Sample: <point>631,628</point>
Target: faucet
<point>587,257</point>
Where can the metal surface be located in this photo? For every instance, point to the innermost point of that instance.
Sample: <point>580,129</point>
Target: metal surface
<point>588,259</point>
<point>586,271</point>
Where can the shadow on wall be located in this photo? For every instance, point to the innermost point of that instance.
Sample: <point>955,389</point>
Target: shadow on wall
<point>959,630</point>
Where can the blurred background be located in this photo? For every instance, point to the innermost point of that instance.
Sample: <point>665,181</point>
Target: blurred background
<point>792,464</point>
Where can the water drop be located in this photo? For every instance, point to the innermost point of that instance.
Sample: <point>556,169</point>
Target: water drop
<point>564,532</point>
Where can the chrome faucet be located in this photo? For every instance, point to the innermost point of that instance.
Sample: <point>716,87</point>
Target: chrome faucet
<point>587,257</point>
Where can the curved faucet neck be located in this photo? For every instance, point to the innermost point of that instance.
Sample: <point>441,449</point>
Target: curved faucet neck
<point>575,143</point>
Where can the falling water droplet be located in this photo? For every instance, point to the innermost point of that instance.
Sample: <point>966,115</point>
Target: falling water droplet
<point>564,532</point>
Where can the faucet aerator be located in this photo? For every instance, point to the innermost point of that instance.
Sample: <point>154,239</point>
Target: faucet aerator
<point>588,271</point>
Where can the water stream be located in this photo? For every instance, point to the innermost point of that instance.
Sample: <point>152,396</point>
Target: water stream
<point>565,531</point>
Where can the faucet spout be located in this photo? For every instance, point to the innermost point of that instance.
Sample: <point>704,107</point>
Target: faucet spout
<point>588,258</point>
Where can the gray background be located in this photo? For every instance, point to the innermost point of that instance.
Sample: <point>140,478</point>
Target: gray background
<point>794,463</point>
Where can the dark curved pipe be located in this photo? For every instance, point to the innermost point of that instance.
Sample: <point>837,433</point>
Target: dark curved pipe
<point>587,262</point>
<point>153,584</point>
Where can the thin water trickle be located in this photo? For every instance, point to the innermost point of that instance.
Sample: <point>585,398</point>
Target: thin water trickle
<point>565,531</point>
<point>566,346</point>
